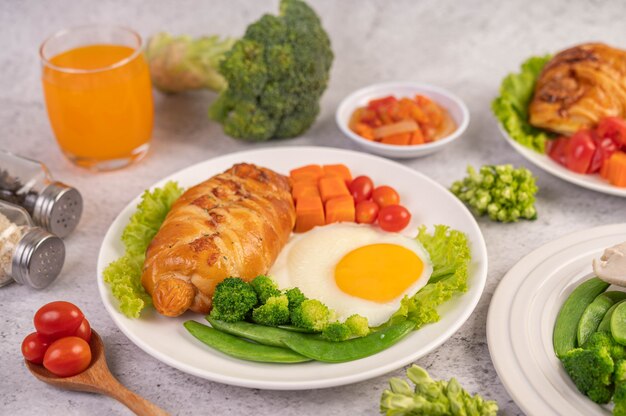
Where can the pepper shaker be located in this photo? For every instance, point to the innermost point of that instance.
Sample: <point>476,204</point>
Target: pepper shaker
<point>28,254</point>
<point>53,205</point>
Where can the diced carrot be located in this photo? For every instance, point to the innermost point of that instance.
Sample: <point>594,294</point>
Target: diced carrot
<point>302,189</point>
<point>309,213</point>
<point>340,170</point>
<point>380,102</point>
<point>340,209</point>
<point>616,173</point>
<point>364,131</point>
<point>355,118</point>
<point>604,170</point>
<point>308,172</point>
<point>417,137</point>
<point>397,139</point>
<point>332,187</point>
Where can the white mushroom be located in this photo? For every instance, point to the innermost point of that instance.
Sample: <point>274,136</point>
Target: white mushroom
<point>612,265</point>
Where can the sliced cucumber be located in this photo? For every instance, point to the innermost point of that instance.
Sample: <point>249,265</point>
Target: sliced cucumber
<point>566,326</point>
<point>616,295</point>
<point>605,324</point>
<point>592,316</point>
<point>618,323</point>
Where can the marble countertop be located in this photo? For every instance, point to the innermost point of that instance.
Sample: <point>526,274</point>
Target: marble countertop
<point>464,46</point>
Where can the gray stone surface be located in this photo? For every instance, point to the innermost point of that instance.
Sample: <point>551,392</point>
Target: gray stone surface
<point>464,46</point>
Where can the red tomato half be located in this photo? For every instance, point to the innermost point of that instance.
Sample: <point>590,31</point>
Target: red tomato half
<point>393,218</point>
<point>614,128</point>
<point>580,150</point>
<point>67,356</point>
<point>84,330</point>
<point>366,212</point>
<point>385,196</point>
<point>361,188</point>
<point>58,319</point>
<point>34,347</point>
<point>557,149</point>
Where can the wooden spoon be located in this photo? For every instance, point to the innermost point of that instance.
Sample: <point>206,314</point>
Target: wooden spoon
<point>98,379</point>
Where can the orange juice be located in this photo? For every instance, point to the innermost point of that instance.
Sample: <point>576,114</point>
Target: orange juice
<point>99,101</point>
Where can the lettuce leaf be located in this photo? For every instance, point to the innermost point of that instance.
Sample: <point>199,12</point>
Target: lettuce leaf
<point>124,274</point>
<point>450,254</point>
<point>511,107</point>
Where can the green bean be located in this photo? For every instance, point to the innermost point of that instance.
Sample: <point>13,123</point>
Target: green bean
<point>352,349</point>
<point>240,348</point>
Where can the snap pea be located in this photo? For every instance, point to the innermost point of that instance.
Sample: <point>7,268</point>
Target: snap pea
<point>605,324</point>
<point>265,335</point>
<point>352,349</point>
<point>593,314</point>
<point>618,323</point>
<point>242,349</point>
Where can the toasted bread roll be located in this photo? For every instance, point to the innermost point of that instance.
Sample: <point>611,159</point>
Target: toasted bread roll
<point>234,224</point>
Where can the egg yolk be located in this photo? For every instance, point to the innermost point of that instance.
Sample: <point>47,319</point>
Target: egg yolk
<point>378,272</point>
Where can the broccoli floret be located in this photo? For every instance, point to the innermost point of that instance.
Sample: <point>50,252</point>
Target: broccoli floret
<point>605,340</point>
<point>233,300</point>
<point>264,287</point>
<point>619,398</point>
<point>358,325</point>
<point>591,370</point>
<point>296,297</point>
<point>312,315</point>
<point>273,313</point>
<point>336,331</point>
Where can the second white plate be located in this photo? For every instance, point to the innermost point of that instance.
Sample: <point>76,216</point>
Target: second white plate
<point>167,340</point>
<point>521,321</point>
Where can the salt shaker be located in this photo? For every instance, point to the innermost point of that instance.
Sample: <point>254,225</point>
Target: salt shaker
<point>28,254</point>
<point>52,205</point>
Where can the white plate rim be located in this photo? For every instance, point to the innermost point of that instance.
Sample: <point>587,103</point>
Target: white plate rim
<point>505,360</point>
<point>480,281</point>
<point>592,182</point>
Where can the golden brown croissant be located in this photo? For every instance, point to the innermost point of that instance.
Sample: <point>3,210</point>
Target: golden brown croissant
<point>234,224</point>
<point>578,87</point>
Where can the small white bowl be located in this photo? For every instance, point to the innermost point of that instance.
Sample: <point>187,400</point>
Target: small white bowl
<point>360,98</point>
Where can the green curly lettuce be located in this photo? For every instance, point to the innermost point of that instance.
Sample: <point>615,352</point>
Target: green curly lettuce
<point>450,254</point>
<point>511,107</point>
<point>124,274</point>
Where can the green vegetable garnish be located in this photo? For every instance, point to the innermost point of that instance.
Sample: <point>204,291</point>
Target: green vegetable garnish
<point>430,397</point>
<point>233,300</point>
<point>270,81</point>
<point>124,274</point>
<point>511,107</point>
<point>449,251</point>
<point>500,191</point>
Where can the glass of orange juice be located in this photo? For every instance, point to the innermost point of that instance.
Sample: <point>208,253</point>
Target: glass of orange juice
<point>98,94</point>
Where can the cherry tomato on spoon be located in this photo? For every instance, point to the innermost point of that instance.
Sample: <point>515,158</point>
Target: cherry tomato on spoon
<point>58,319</point>
<point>67,356</point>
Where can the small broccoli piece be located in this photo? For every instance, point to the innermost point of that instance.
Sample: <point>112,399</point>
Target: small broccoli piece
<point>358,325</point>
<point>336,331</point>
<point>312,315</point>
<point>264,287</point>
<point>591,370</point>
<point>619,398</point>
<point>274,312</point>
<point>233,300</point>
<point>605,340</point>
<point>500,191</point>
<point>296,297</point>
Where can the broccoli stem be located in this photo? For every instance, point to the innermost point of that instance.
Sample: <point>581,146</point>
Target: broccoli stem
<point>181,63</point>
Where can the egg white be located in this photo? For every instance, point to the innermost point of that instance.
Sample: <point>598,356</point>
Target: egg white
<point>308,262</point>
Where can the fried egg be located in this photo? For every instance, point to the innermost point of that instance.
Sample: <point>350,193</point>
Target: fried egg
<point>354,269</point>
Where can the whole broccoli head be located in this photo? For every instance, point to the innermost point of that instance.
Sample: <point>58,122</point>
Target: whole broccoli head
<point>274,312</point>
<point>312,315</point>
<point>296,297</point>
<point>591,370</point>
<point>264,287</point>
<point>233,300</point>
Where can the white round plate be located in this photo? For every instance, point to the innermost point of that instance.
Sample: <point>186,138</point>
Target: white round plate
<point>455,106</point>
<point>593,182</point>
<point>167,340</point>
<point>521,319</point>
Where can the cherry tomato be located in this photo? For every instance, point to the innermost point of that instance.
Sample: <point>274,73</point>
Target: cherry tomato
<point>58,319</point>
<point>361,188</point>
<point>605,147</point>
<point>557,148</point>
<point>84,331</point>
<point>67,356</point>
<point>393,218</point>
<point>385,196</point>
<point>579,152</point>
<point>366,212</point>
<point>614,128</point>
<point>34,347</point>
